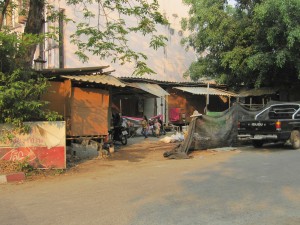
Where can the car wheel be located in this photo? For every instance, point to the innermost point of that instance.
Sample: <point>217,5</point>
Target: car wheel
<point>257,143</point>
<point>295,139</point>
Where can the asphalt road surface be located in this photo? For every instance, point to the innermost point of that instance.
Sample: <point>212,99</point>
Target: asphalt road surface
<point>247,186</point>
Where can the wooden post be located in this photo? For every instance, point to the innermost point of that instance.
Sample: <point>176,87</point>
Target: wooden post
<point>68,110</point>
<point>109,108</point>
<point>121,106</point>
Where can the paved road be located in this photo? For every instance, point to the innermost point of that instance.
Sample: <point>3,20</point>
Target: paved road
<point>247,187</point>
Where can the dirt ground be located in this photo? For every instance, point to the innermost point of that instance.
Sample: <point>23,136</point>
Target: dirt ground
<point>143,152</point>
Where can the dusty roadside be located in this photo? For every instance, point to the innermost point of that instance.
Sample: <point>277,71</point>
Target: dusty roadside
<point>144,152</point>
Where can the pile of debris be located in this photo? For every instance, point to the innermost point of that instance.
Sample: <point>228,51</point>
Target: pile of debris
<point>181,150</point>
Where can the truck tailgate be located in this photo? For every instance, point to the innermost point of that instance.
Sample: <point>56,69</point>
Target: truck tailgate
<point>258,126</point>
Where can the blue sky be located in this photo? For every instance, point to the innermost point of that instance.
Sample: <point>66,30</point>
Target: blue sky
<point>231,2</point>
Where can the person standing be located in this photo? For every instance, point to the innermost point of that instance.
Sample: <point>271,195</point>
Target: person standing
<point>162,129</point>
<point>157,126</point>
<point>117,125</point>
<point>145,127</point>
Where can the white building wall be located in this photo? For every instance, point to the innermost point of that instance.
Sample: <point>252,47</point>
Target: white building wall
<point>149,106</point>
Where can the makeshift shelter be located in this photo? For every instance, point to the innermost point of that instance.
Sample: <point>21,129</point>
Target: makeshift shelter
<point>185,99</point>
<point>82,98</point>
<point>176,101</point>
<point>258,97</point>
<point>132,100</point>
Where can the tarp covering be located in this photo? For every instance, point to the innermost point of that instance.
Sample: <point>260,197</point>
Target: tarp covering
<point>136,121</point>
<point>153,89</point>
<point>214,131</point>
<point>206,91</point>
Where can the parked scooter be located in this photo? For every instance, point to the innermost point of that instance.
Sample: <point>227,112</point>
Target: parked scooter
<point>118,134</point>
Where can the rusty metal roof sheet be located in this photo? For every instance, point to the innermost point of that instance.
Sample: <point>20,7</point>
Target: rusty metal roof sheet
<point>74,71</point>
<point>153,89</point>
<point>206,91</point>
<point>97,78</point>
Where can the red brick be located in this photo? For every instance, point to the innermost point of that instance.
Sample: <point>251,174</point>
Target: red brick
<point>15,177</point>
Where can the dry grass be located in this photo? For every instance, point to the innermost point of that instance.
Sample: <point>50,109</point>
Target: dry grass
<point>7,167</point>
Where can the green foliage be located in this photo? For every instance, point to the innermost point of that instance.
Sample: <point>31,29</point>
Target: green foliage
<point>59,171</point>
<point>25,166</point>
<point>255,44</point>
<point>19,98</point>
<point>104,33</point>
<point>20,87</point>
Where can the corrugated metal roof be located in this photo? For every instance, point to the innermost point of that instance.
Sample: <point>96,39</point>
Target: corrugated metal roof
<point>143,78</point>
<point>97,78</point>
<point>206,91</point>
<point>50,72</point>
<point>258,92</point>
<point>153,89</point>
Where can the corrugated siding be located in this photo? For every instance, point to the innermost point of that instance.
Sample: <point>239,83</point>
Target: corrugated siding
<point>153,89</point>
<point>206,91</point>
<point>99,79</point>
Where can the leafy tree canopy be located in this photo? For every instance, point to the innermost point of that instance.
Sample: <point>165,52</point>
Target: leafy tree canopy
<point>255,43</point>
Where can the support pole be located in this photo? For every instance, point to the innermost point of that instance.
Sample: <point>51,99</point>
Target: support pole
<point>120,106</point>
<point>207,99</point>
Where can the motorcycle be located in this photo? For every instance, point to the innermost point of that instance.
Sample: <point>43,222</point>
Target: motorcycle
<point>118,134</point>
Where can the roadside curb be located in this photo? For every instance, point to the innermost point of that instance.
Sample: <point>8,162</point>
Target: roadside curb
<point>13,177</point>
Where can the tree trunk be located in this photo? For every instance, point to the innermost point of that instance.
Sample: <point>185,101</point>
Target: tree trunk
<point>3,12</point>
<point>34,25</point>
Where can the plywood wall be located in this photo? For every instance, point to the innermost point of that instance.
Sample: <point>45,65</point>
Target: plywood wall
<point>55,95</point>
<point>89,112</point>
<point>85,110</point>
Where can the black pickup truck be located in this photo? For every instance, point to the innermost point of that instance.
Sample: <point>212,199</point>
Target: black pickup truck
<point>278,122</point>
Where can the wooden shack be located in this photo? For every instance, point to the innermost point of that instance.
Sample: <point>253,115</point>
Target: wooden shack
<point>85,110</point>
<point>183,100</point>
